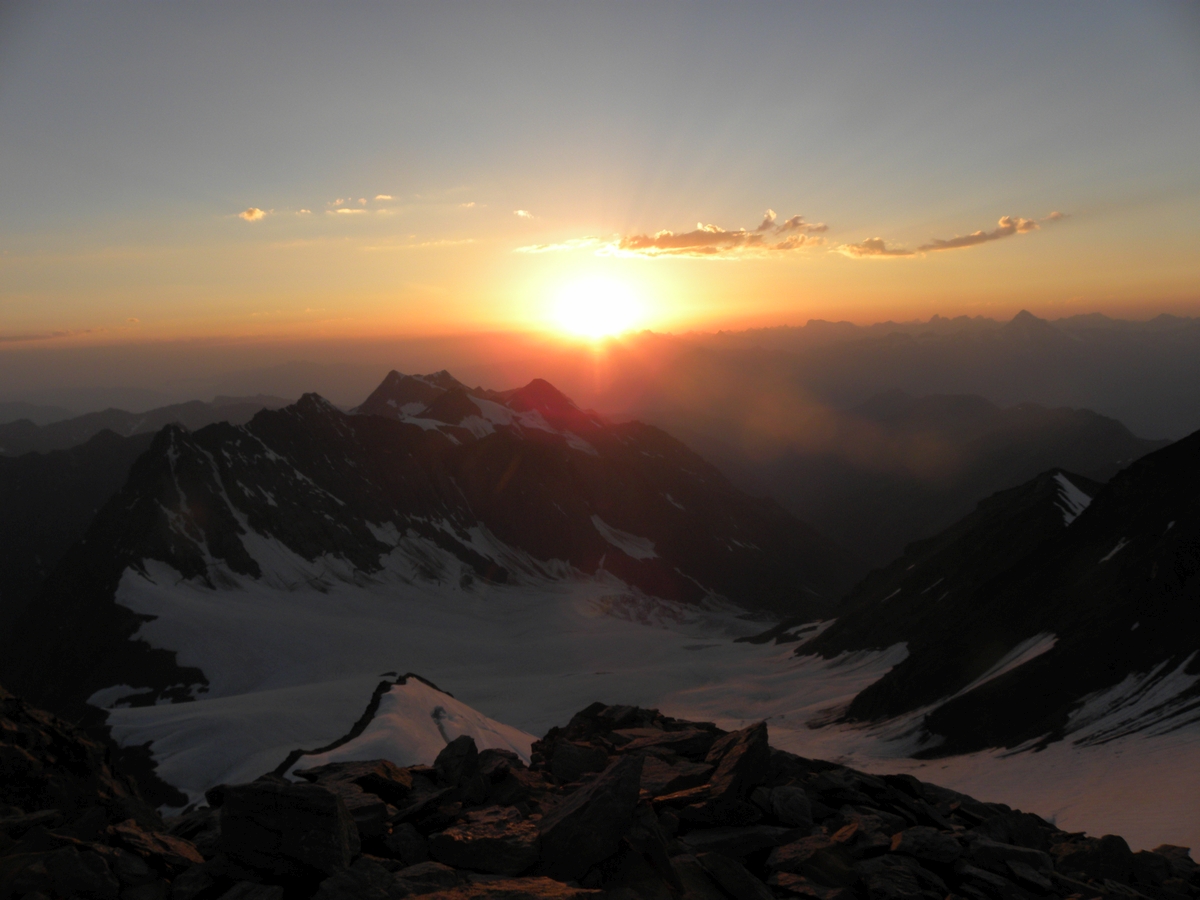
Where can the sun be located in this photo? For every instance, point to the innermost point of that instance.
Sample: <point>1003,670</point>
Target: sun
<point>597,307</point>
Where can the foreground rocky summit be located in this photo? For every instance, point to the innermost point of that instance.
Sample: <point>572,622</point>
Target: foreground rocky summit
<point>621,803</point>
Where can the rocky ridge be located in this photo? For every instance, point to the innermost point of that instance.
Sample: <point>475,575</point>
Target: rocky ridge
<point>621,803</point>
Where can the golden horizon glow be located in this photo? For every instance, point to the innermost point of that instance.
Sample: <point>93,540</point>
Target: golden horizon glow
<point>597,306</point>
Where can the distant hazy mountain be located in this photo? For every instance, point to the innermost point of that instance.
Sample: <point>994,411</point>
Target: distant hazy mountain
<point>898,468</point>
<point>1146,374</point>
<point>39,414</point>
<point>1058,608</point>
<point>23,436</point>
<point>452,489</point>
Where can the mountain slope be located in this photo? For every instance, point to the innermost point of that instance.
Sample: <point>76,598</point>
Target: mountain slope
<point>1044,614</point>
<point>48,501</point>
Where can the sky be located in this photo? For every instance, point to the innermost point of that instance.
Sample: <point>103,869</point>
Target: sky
<point>293,171</point>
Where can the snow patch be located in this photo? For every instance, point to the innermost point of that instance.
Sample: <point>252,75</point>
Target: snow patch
<point>1144,702</point>
<point>630,544</point>
<point>1071,500</point>
<point>414,722</point>
<point>1121,544</point>
<point>1014,658</point>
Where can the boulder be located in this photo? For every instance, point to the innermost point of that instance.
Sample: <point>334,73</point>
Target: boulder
<point>1106,857</point>
<point>515,889</point>
<point>994,856</point>
<point>737,842</point>
<point>569,761</point>
<point>895,877</point>
<point>285,830</point>
<point>690,742</point>
<point>370,813</point>
<point>816,857</point>
<point>697,885</point>
<point>384,779</point>
<point>191,884</point>
<point>406,844</point>
<point>1026,875</point>
<point>168,854</point>
<point>365,880</point>
<point>587,827</point>
<point>85,874</point>
<point>799,886</point>
<point>201,828</point>
<point>926,844</point>
<point>661,777</point>
<point>1022,829</point>
<point>497,840</point>
<point>790,806</point>
<point>427,877</point>
<point>733,877</point>
<point>742,760</point>
<point>249,890</point>
<point>458,760</point>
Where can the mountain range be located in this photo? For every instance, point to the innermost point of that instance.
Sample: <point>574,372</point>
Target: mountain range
<point>247,585</point>
<point>447,486</point>
<point>23,436</point>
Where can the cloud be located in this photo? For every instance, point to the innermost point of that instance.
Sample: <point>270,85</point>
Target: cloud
<point>47,336</point>
<point>252,214</point>
<point>362,201</point>
<point>345,211</point>
<point>715,242</point>
<point>1007,226</point>
<point>469,205</point>
<point>304,212</point>
<point>587,243</point>
<point>383,196</point>
<point>133,321</point>
<point>522,214</point>
<point>874,247</point>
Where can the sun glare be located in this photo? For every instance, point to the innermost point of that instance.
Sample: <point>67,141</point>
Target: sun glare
<point>596,307</point>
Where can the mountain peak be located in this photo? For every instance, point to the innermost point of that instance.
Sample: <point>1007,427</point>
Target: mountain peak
<point>399,394</point>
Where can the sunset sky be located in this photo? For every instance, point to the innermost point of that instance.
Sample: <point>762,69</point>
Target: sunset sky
<point>206,169</point>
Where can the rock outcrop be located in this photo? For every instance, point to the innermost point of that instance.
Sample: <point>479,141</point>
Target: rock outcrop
<point>598,814</point>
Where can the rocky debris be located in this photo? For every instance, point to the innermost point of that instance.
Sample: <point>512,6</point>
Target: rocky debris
<point>926,844</point>
<point>497,840</point>
<point>71,824</point>
<point>748,822</point>
<point>49,767</point>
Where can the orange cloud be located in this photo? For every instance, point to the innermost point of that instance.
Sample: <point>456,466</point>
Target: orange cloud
<point>1007,226</point>
<point>715,242</point>
<point>253,214</point>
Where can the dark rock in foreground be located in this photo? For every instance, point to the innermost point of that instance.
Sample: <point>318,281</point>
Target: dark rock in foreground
<point>622,803</point>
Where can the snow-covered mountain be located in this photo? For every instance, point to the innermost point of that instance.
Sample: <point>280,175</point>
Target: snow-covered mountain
<point>231,548</point>
<point>244,593</point>
<point>1059,609</point>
